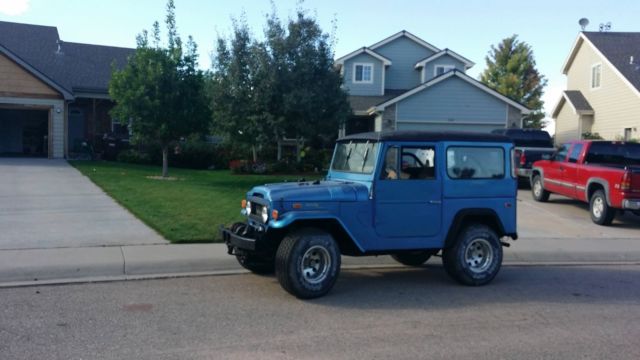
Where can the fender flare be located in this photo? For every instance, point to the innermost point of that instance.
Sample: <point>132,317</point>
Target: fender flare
<point>459,221</point>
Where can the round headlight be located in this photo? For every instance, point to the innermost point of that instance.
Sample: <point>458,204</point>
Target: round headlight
<point>265,214</point>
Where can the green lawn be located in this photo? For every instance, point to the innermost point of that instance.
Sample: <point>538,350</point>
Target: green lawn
<point>188,209</point>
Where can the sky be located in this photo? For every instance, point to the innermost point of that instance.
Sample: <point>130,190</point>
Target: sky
<point>468,27</point>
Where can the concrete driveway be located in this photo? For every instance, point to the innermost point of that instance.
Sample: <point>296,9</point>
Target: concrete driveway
<point>49,204</point>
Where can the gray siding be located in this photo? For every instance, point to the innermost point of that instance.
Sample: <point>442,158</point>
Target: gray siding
<point>374,88</point>
<point>514,117</point>
<point>454,101</point>
<point>442,60</point>
<point>404,54</point>
<point>448,127</point>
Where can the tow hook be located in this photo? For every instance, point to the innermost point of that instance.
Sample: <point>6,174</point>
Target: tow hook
<point>505,244</point>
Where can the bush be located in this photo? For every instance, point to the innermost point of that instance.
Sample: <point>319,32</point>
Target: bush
<point>591,136</point>
<point>134,156</point>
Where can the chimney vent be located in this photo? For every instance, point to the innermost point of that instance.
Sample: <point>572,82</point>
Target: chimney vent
<point>59,42</point>
<point>631,60</point>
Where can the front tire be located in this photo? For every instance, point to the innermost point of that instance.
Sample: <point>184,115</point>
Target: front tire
<point>308,263</point>
<point>601,212</point>
<point>537,190</point>
<point>476,256</point>
<point>414,258</point>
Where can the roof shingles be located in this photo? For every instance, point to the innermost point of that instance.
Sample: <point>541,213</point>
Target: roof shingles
<point>622,49</point>
<point>76,67</point>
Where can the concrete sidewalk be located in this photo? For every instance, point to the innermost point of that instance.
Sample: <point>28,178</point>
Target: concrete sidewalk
<point>86,264</point>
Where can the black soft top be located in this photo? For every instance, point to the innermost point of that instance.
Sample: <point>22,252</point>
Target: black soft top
<point>426,136</point>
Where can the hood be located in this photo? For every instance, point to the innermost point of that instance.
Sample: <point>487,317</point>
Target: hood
<point>312,191</point>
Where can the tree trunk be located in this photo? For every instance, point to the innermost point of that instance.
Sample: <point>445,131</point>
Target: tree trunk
<point>254,152</point>
<point>299,147</point>
<point>165,161</point>
<point>279,156</point>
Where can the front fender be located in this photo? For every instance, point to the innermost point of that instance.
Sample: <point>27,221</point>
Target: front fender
<point>289,218</point>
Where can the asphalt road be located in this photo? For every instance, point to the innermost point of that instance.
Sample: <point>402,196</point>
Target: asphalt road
<point>528,312</point>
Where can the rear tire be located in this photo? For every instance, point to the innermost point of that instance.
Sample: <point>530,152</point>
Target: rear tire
<point>414,258</point>
<point>476,256</point>
<point>537,190</point>
<point>601,212</point>
<point>308,263</point>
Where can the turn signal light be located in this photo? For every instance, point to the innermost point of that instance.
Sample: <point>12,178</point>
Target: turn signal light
<point>243,203</point>
<point>274,214</point>
<point>297,206</point>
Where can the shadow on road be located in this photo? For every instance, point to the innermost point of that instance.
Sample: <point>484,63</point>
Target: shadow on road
<point>430,287</point>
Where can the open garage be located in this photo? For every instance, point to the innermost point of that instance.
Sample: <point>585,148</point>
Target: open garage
<point>24,132</point>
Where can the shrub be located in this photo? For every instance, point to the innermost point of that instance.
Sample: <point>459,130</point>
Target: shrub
<point>591,136</point>
<point>134,156</point>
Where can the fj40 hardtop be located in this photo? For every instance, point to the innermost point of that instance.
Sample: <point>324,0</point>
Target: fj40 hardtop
<point>411,195</point>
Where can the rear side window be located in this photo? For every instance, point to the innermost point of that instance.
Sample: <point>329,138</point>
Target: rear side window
<point>616,153</point>
<point>475,162</point>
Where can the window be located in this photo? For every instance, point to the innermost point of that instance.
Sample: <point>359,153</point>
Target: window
<point>475,163</point>
<point>441,69</point>
<point>561,154</point>
<point>117,128</point>
<point>575,153</point>
<point>596,74</point>
<point>362,73</point>
<point>355,157</point>
<point>416,163</point>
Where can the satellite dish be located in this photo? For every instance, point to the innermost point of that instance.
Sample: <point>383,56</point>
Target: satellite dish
<point>583,23</point>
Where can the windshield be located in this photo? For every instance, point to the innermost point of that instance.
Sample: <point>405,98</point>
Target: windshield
<point>355,157</point>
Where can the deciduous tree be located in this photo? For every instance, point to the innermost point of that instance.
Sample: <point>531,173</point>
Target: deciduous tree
<point>161,92</point>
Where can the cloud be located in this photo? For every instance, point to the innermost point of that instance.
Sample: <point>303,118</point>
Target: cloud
<point>14,7</point>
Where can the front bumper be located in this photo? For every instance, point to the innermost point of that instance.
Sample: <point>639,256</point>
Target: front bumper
<point>241,241</point>
<point>524,172</point>
<point>631,204</point>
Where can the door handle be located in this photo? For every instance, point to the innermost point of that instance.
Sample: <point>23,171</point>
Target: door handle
<point>435,202</point>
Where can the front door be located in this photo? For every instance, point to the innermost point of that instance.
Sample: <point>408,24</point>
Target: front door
<point>408,193</point>
<point>554,173</point>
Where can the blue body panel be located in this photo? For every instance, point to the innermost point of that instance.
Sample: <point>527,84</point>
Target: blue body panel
<point>391,215</point>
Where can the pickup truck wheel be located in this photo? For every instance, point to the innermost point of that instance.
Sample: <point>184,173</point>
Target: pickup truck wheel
<point>601,212</point>
<point>538,191</point>
<point>476,256</point>
<point>256,265</point>
<point>308,263</point>
<point>414,258</point>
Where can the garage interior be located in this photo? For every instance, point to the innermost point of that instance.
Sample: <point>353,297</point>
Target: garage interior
<point>24,132</point>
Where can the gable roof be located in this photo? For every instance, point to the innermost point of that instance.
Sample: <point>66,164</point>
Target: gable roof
<point>69,66</point>
<point>467,63</point>
<point>445,76</point>
<point>577,101</point>
<point>340,61</point>
<point>408,35</point>
<point>621,50</point>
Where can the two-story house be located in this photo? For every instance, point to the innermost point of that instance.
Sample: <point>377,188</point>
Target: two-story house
<point>53,94</point>
<point>405,83</point>
<point>603,88</point>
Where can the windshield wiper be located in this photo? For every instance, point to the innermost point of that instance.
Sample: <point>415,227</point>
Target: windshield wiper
<point>366,154</point>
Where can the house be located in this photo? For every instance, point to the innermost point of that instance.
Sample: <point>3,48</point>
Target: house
<point>53,94</point>
<point>603,88</point>
<point>405,83</point>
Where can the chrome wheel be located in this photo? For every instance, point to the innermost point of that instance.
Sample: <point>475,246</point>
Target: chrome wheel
<point>598,207</point>
<point>315,264</point>
<point>537,188</point>
<point>479,255</point>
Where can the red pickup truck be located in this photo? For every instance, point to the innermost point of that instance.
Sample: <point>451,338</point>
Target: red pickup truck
<point>605,174</point>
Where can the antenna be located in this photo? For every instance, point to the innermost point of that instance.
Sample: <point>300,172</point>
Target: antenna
<point>605,27</point>
<point>583,23</point>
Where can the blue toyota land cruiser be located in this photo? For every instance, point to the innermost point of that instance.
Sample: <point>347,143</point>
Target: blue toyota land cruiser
<point>408,194</point>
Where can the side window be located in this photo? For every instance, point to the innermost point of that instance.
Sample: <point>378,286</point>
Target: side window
<point>475,162</point>
<point>418,163</point>
<point>575,153</point>
<point>390,169</point>
<point>561,154</point>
